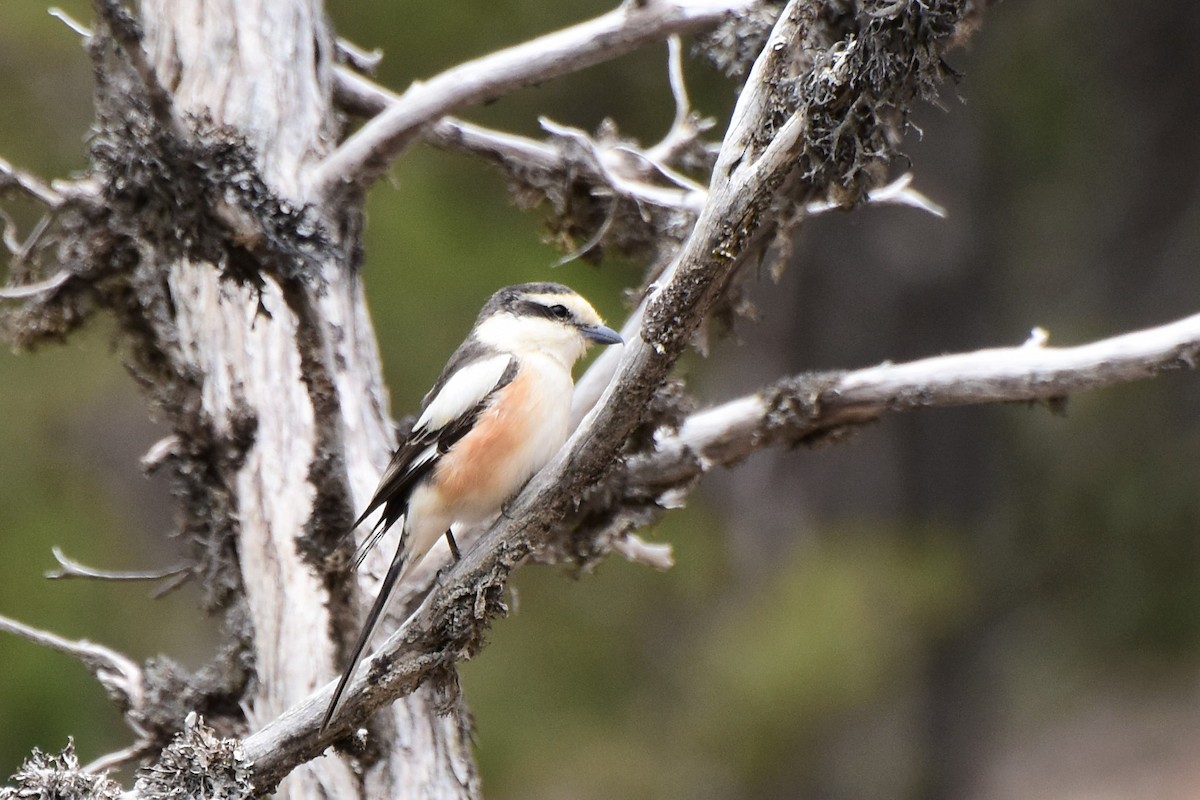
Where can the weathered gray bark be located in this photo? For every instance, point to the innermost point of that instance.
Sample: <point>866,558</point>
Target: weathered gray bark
<point>298,358</point>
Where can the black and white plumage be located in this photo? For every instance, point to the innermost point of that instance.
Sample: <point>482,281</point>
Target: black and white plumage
<point>499,411</point>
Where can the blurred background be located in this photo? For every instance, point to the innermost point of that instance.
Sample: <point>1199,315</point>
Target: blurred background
<point>978,603</point>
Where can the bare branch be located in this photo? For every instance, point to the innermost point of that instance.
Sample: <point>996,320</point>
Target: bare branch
<point>449,622</point>
<point>32,186</point>
<point>120,676</point>
<point>119,758</point>
<point>367,153</point>
<point>70,568</point>
<point>749,177</point>
<point>519,153</point>
<point>364,97</point>
<point>799,408</point>
<point>356,58</point>
<point>66,19</point>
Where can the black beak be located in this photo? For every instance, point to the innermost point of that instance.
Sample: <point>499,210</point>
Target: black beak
<point>600,334</point>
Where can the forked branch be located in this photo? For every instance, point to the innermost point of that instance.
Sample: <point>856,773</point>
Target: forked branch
<point>367,154</point>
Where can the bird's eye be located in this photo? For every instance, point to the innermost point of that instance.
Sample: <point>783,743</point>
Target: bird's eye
<point>560,312</point>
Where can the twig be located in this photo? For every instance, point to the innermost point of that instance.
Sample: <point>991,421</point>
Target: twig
<point>688,197</point>
<point>683,107</point>
<point>357,58</point>
<point>9,235</point>
<point>120,676</point>
<point>686,126</point>
<point>32,289</point>
<point>899,192</point>
<point>72,23</point>
<point>595,239</point>
<point>74,569</point>
<point>120,757</point>
<point>34,187</point>
<point>366,154</point>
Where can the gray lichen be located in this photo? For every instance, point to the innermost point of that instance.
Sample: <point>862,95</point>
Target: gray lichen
<point>56,776</point>
<point>198,763</point>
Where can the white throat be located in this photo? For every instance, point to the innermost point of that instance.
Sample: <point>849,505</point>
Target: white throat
<point>510,333</point>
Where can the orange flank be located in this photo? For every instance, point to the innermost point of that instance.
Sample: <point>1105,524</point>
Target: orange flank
<point>469,469</point>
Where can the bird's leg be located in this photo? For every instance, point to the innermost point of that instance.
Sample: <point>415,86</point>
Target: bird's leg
<point>453,545</point>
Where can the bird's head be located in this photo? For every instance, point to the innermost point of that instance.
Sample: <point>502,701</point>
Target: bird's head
<point>544,317</point>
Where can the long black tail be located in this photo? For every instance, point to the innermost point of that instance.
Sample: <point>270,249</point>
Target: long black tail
<point>356,655</point>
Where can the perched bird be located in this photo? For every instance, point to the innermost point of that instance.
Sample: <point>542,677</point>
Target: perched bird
<point>499,411</point>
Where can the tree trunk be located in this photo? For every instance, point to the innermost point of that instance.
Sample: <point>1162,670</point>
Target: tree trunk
<point>291,367</point>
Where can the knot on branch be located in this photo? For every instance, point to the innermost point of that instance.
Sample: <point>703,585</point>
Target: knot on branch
<point>58,775</point>
<point>794,407</point>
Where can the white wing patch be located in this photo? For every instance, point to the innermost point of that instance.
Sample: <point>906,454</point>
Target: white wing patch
<point>463,392</point>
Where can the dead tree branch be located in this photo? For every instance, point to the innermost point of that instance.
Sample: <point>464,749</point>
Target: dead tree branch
<point>120,676</point>
<point>366,154</point>
<point>806,406</point>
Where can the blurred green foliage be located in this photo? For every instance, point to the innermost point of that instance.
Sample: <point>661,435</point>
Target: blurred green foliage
<point>857,621</point>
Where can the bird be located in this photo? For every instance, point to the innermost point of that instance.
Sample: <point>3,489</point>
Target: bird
<point>499,411</point>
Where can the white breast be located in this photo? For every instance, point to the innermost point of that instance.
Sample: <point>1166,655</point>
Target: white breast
<point>522,429</point>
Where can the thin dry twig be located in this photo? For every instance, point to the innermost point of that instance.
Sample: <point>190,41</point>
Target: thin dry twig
<point>34,289</point>
<point>70,568</point>
<point>72,23</point>
<point>119,758</point>
<point>120,676</point>
<point>31,185</point>
<point>366,155</point>
<point>657,555</point>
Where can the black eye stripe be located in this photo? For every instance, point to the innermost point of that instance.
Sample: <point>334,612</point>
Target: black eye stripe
<point>557,311</point>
